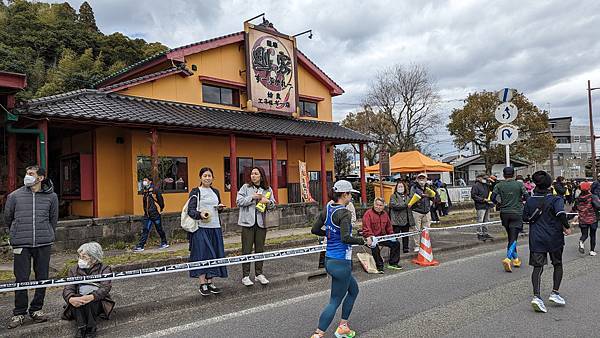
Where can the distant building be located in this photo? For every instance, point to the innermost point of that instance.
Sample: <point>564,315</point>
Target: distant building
<point>468,167</point>
<point>573,149</point>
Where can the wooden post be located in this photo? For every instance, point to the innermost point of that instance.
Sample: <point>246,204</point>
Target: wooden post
<point>274,179</point>
<point>154,156</point>
<point>12,162</point>
<point>233,169</point>
<point>324,194</point>
<point>363,178</point>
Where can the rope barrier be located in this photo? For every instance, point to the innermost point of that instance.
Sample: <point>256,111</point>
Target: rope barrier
<point>212,263</point>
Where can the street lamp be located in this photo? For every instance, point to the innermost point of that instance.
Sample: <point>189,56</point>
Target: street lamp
<point>592,134</point>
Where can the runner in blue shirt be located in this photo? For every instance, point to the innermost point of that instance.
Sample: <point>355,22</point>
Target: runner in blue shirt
<point>548,226</point>
<point>338,258</point>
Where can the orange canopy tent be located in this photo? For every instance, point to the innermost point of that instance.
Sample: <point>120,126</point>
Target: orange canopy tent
<point>412,162</point>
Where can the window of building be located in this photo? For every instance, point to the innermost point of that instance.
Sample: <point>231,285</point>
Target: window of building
<point>245,165</point>
<point>172,173</point>
<point>576,139</point>
<point>552,125</point>
<point>220,95</point>
<point>308,109</point>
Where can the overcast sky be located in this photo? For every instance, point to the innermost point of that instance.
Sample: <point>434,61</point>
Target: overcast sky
<point>547,49</point>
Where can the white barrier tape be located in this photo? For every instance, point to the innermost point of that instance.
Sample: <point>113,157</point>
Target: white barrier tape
<point>213,263</point>
<point>465,226</point>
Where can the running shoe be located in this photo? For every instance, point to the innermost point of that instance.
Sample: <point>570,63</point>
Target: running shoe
<point>164,246</point>
<point>516,262</point>
<point>393,267</point>
<point>262,279</point>
<point>506,262</point>
<point>556,298</point>
<point>343,331</point>
<point>246,281</point>
<point>15,321</point>
<point>204,291</point>
<point>39,316</point>
<point>317,335</point>
<point>592,253</point>
<point>538,305</point>
<point>581,247</point>
<point>213,289</point>
<point>138,249</point>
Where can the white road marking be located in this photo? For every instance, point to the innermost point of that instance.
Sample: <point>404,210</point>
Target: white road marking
<point>291,301</point>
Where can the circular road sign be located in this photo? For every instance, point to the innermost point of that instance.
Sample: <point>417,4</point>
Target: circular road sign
<point>507,134</point>
<point>506,112</point>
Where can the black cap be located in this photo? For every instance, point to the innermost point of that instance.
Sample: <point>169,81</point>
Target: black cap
<point>508,172</point>
<point>542,179</point>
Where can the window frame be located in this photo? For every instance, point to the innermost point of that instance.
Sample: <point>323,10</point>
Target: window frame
<point>161,186</point>
<point>303,102</point>
<point>235,95</point>
<point>282,177</point>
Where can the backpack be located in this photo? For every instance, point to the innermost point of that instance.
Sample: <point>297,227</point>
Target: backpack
<point>187,223</point>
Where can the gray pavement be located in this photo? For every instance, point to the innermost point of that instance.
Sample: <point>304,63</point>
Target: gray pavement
<point>468,295</point>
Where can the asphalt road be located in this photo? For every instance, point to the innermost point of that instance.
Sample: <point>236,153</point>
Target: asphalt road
<point>468,295</point>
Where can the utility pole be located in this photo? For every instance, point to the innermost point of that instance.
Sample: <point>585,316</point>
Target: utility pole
<point>592,134</point>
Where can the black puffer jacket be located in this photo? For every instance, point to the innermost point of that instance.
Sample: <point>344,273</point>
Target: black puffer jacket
<point>32,217</point>
<point>153,200</point>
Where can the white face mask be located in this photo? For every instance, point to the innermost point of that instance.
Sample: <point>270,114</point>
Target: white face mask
<point>145,183</point>
<point>29,180</point>
<point>422,182</point>
<point>400,189</point>
<point>82,264</point>
<point>484,181</point>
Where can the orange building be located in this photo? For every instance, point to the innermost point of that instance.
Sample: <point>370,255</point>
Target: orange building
<point>229,103</point>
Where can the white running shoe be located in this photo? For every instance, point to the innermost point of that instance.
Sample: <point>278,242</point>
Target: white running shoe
<point>262,279</point>
<point>581,247</point>
<point>246,281</point>
<point>556,299</point>
<point>592,253</point>
<point>416,249</point>
<point>538,305</point>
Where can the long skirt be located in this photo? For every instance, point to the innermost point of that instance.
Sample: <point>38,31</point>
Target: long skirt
<point>205,244</point>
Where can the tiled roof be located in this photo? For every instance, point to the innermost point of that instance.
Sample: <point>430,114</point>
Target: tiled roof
<point>148,77</point>
<point>94,106</point>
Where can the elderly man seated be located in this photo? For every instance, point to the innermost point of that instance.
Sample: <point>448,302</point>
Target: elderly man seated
<point>376,222</point>
<point>86,302</point>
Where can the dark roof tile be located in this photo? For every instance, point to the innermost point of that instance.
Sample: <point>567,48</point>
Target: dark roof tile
<point>94,105</point>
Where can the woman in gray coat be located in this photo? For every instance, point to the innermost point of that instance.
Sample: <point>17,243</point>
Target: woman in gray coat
<point>400,213</point>
<point>254,199</point>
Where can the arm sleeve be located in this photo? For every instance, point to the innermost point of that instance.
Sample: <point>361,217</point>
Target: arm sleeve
<point>596,202</point>
<point>526,212</point>
<point>352,210</point>
<point>160,200</point>
<point>396,203</point>
<point>69,290</point>
<point>243,199</point>
<point>366,225</point>
<point>272,201</point>
<point>558,205</point>
<point>193,205</point>
<point>343,219</point>
<point>317,228</point>
<point>54,211</point>
<point>388,227</point>
<point>475,195</point>
<point>9,211</point>
<point>563,220</point>
<point>105,286</point>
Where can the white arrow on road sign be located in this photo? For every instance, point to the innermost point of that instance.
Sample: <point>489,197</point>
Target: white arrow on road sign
<point>506,112</point>
<point>506,94</point>
<point>507,134</point>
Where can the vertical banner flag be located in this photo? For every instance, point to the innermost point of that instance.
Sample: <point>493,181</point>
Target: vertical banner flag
<point>304,187</point>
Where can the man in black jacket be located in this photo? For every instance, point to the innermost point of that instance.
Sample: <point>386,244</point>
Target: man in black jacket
<point>480,194</point>
<point>31,214</point>
<point>153,200</point>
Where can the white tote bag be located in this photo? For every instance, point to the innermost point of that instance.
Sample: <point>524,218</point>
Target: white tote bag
<point>187,223</point>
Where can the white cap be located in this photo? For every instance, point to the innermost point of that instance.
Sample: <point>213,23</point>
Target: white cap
<point>422,175</point>
<point>344,186</point>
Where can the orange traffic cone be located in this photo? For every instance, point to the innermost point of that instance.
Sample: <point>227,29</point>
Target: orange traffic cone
<point>425,257</point>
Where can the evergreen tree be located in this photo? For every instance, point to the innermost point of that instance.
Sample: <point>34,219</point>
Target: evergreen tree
<point>86,17</point>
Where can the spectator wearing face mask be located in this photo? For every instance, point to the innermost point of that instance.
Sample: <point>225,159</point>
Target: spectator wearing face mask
<point>480,194</point>
<point>400,213</point>
<point>153,207</point>
<point>31,214</point>
<point>420,199</point>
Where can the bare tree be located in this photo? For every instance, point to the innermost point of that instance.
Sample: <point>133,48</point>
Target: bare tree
<point>406,100</point>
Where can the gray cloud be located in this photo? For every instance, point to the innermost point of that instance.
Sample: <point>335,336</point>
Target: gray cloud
<point>547,49</point>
